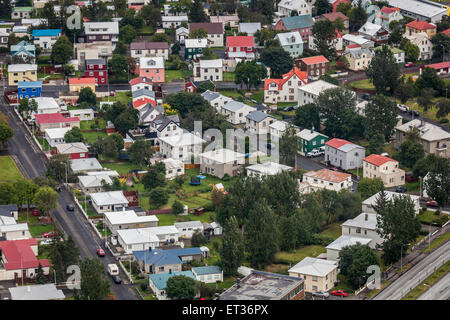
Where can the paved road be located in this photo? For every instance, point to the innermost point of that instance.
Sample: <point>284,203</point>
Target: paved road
<point>32,163</point>
<point>439,291</point>
<point>413,277</point>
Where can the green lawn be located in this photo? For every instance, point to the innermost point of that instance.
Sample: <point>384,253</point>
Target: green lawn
<point>171,75</point>
<point>37,230</point>
<point>429,217</point>
<point>333,230</point>
<point>430,113</point>
<point>437,242</point>
<point>93,136</point>
<point>300,254</point>
<point>258,96</point>
<point>344,284</point>
<point>9,170</point>
<point>123,97</point>
<point>231,94</point>
<point>229,76</point>
<point>86,124</point>
<point>362,84</point>
<point>120,167</point>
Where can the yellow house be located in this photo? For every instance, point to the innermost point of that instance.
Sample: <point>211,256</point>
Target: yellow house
<point>21,72</point>
<point>385,168</point>
<point>417,26</point>
<point>319,274</point>
<point>359,59</point>
<point>76,84</point>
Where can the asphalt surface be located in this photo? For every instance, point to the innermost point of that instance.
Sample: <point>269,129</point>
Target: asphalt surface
<point>32,163</point>
<point>414,276</point>
<point>439,291</point>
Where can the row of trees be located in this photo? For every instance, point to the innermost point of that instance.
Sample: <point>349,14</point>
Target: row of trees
<point>6,132</point>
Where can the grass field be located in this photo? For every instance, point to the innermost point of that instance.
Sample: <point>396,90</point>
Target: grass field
<point>333,230</point>
<point>120,167</point>
<point>229,76</point>
<point>9,170</point>
<point>362,84</point>
<point>428,217</point>
<point>123,97</point>
<point>86,124</point>
<point>171,75</point>
<point>37,230</point>
<point>93,136</point>
<point>300,253</point>
<point>231,94</point>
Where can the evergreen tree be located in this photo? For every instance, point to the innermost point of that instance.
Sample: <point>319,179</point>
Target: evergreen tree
<point>180,287</point>
<point>94,285</point>
<point>40,277</point>
<point>198,239</point>
<point>62,50</point>
<point>380,117</point>
<point>438,181</point>
<point>197,12</point>
<point>232,250</point>
<point>384,71</point>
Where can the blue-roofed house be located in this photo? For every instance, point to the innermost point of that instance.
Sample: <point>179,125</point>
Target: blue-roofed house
<point>24,51</point>
<point>158,261</point>
<point>187,254</point>
<point>29,89</point>
<point>46,38</point>
<point>158,282</point>
<point>303,24</point>
<point>208,274</point>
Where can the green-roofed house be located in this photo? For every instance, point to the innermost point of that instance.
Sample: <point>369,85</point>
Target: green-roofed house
<point>208,274</point>
<point>21,13</point>
<point>303,24</point>
<point>399,54</point>
<point>158,282</point>
<point>311,140</point>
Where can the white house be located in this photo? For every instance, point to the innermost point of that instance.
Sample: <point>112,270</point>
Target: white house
<point>363,226</point>
<point>344,154</point>
<point>285,89</point>
<point>236,111</point>
<point>319,274</point>
<point>286,7</point>
<point>328,179</point>
<point>136,239</point>
<point>181,147</point>
<point>109,201</point>
<point>93,183</point>
<point>101,31</point>
<point>46,105</point>
<point>216,99</point>
<point>188,228</point>
<point>214,32</point>
<point>11,230</point>
<point>208,70</point>
<point>258,122</point>
<point>55,136</point>
<point>83,114</point>
<point>266,169</point>
<point>128,219</point>
<point>336,246</point>
<point>291,42</point>
<point>350,39</point>
<point>278,128</point>
<point>425,46</point>
<point>368,204</point>
<point>174,168</point>
<point>309,92</point>
<point>35,292</point>
<point>208,274</point>
<point>169,22</point>
<point>182,34</point>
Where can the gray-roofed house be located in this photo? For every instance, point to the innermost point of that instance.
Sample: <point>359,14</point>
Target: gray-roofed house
<point>143,96</point>
<point>344,154</point>
<point>9,210</point>
<point>236,111</point>
<point>291,42</point>
<point>249,28</point>
<point>311,140</point>
<point>359,59</point>
<point>216,99</point>
<point>319,274</point>
<point>92,184</point>
<point>149,113</point>
<point>368,204</point>
<point>258,122</point>
<point>188,228</point>
<point>363,226</point>
<point>85,165</point>
<point>336,246</point>
<point>303,24</point>
<point>149,49</point>
<point>208,274</point>
<point>109,201</point>
<point>36,292</point>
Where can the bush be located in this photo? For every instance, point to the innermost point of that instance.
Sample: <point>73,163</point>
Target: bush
<point>443,120</point>
<point>226,177</point>
<point>321,240</point>
<point>144,286</point>
<point>209,206</point>
<point>204,189</point>
<point>443,220</point>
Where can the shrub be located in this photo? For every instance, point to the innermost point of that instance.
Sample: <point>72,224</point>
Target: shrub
<point>226,177</point>
<point>321,240</point>
<point>443,120</point>
<point>143,286</point>
<point>209,206</point>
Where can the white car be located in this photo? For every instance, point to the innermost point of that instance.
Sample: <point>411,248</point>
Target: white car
<point>313,153</point>
<point>46,242</point>
<point>402,107</point>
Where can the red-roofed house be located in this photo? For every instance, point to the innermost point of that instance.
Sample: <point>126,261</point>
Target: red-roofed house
<point>387,15</point>
<point>344,154</point>
<point>385,168</point>
<point>284,90</point>
<point>441,67</point>
<point>418,26</point>
<point>327,179</point>
<point>335,3</point>
<point>18,259</point>
<point>446,32</point>
<point>314,66</point>
<point>76,84</point>
<point>242,47</point>
<point>332,17</point>
<point>55,120</point>
<point>75,150</point>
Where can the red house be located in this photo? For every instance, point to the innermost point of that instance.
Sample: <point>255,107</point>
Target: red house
<point>98,69</point>
<point>76,150</point>
<point>335,3</point>
<point>242,47</point>
<point>55,120</point>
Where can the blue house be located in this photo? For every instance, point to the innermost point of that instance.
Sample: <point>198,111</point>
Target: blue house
<point>170,260</point>
<point>24,50</point>
<point>46,38</point>
<point>29,89</point>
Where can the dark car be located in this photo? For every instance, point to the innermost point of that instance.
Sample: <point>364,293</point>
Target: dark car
<point>287,109</point>
<point>366,96</point>
<point>117,279</point>
<point>70,207</point>
<point>400,189</point>
<point>414,113</point>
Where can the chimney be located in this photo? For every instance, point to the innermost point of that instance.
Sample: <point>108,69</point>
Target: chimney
<point>170,271</point>
<point>367,216</point>
<point>149,249</point>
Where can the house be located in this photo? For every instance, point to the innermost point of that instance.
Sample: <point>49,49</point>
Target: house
<point>83,114</point>
<point>369,203</point>
<point>11,230</point>
<point>260,285</point>
<point>278,128</point>
<point>93,50</point>
<point>181,147</point>
<point>311,140</point>
<point>309,92</point>
<point>145,238</point>
<point>181,34</point>
<point>188,228</point>
<point>169,22</point>
<point>80,166</point>
<point>46,105</point>
<point>318,274</point>
<point>344,154</point>
<point>95,183</point>
<point>34,22</point>
<point>216,99</point>
<point>387,15</point>
<point>328,179</point>
<point>418,26</point>
<point>143,97</point>
<point>314,66</point>
<point>4,36</point>
<point>399,55</point>
<point>109,173</point>
<point>29,89</point>
<point>21,72</point>
<point>100,31</point>
<point>287,7</point>
<point>440,67</point>
<point>194,48</point>
<point>21,31</point>
<point>231,21</point>
<point>47,291</point>
<point>158,261</point>
<point>334,248</point>
<point>55,136</point>
<point>97,69</point>
<point>335,15</point>
<point>433,138</point>
<point>149,113</point>
<point>76,84</point>
<point>423,42</point>
<point>76,150</point>
<point>174,168</point>
<point>55,120</point>
<point>158,282</point>
<point>109,201</point>
<point>336,3</point>
<point>249,28</point>
<point>291,42</point>
<point>258,122</point>
<point>208,274</point>
<point>285,89</point>
<point>21,12</point>
<point>385,168</point>
<point>213,229</point>
<point>141,83</point>
<point>191,86</point>
<point>167,126</point>
<point>25,51</point>
<point>214,32</point>
<point>9,210</point>
<point>337,42</point>
<point>359,59</point>
<point>350,39</point>
<point>128,219</point>
<point>242,47</point>
<point>208,70</point>
<point>149,49</point>
<point>446,32</point>
<point>152,68</point>
<point>374,32</point>
<point>303,24</point>
<point>19,259</point>
<point>421,10</point>
<point>266,169</point>
<point>363,226</point>
<point>46,38</point>
<point>222,162</point>
<point>236,111</point>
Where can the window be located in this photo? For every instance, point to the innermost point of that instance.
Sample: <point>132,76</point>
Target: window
<point>314,278</point>
<point>358,230</point>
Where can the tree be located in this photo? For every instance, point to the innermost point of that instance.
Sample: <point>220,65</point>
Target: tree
<point>5,9</point>
<point>62,50</point>
<point>425,98</point>
<point>249,73</point>
<point>40,277</point>
<point>396,36</point>
<point>412,51</point>
<point>127,120</point>
<point>324,32</point>
<point>111,112</point>
<point>261,235</point>
<point>94,285</point>
<point>278,60</point>
<point>198,239</point>
<point>151,15</point>
<point>180,287</point>
<point>437,183</point>
<point>307,116</point>
<point>204,86</point>
<point>429,79</point>
<point>140,151</point>
<point>127,34</point>
<point>424,165</point>
<point>27,106</point>
<point>198,34</point>
<point>288,233</point>
<point>160,37</point>
<point>197,12</point>
<point>185,102</point>
<point>411,150</point>
<point>118,65</point>
<point>443,108</point>
<point>177,208</point>
<point>284,197</point>
<point>440,43</point>
<point>376,143</point>
<point>58,167</point>
<point>232,249</point>
<point>357,16</point>
<point>329,79</point>
<point>110,148</point>
<point>351,205</point>
<point>120,49</point>
<point>6,133</point>
<point>118,141</point>
<point>405,90</point>
<point>354,261</point>
<point>397,225</point>
<point>158,197</point>
<point>153,179</point>
<point>381,116</point>
<point>367,187</point>
<point>322,6</point>
<point>88,96</point>
<point>73,135</point>
<point>24,192</point>
<point>289,144</point>
<point>46,200</point>
<point>344,7</point>
<point>384,71</point>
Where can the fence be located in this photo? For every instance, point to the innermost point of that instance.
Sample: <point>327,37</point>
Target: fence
<point>363,287</point>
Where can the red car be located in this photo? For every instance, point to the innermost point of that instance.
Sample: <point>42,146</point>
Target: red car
<point>432,203</point>
<point>35,213</point>
<point>339,293</point>
<point>49,234</point>
<point>100,252</point>
<point>409,64</point>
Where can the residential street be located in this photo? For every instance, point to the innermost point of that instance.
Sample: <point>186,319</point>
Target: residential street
<point>32,163</point>
<point>439,291</point>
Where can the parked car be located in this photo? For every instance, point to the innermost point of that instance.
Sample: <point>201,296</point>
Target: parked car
<point>35,213</point>
<point>313,153</point>
<point>409,65</point>
<point>100,252</point>
<point>117,279</point>
<point>287,109</point>
<point>321,294</point>
<point>49,234</point>
<point>414,113</point>
<point>400,189</point>
<point>402,107</point>
<point>366,97</point>
<point>339,293</point>
<point>432,203</point>
<point>70,207</point>
<point>46,242</point>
